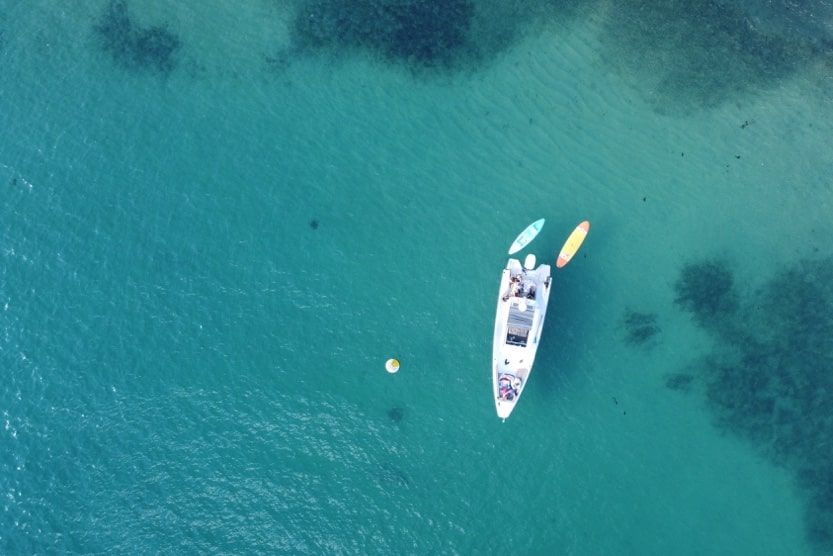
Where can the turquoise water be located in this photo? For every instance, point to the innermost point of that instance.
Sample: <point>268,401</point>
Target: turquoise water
<point>216,228</point>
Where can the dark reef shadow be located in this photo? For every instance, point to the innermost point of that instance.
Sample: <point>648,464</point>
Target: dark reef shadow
<point>706,290</point>
<point>562,339</point>
<point>640,328</point>
<point>682,382</point>
<point>150,49</point>
<point>687,55</point>
<point>427,37</point>
<point>423,34</point>
<point>279,61</point>
<point>769,378</point>
<point>396,414</point>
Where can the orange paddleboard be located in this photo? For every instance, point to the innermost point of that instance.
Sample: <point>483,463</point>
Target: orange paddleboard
<point>572,244</point>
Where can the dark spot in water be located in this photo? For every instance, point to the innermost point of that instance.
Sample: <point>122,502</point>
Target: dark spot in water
<point>313,224</point>
<point>14,181</point>
<point>769,378</point>
<point>679,381</point>
<point>745,124</point>
<point>687,55</point>
<point>737,156</point>
<point>644,199</point>
<point>414,31</point>
<point>133,47</point>
<point>396,414</point>
<point>435,35</point>
<point>706,290</point>
<point>682,154</point>
<point>279,62</point>
<point>639,327</point>
<point>615,400</point>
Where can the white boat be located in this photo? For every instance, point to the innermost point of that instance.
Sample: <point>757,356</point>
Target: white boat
<point>521,308</point>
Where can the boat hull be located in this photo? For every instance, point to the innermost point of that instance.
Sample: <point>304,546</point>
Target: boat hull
<point>521,310</point>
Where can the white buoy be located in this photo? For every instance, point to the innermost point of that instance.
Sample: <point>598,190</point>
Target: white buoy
<point>392,365</point>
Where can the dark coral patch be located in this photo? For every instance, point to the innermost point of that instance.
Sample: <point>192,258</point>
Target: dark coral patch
<point>424,33</point>
<point>427,37</point>
<point>155,48</point>
<point>639,327</point>
<point>770,377</point>
<point>138,48</point>
<point>706,290</point>
<point>396,414</point>
<point>429,33</point>
<point>679,381</point>
<point>697,54</point>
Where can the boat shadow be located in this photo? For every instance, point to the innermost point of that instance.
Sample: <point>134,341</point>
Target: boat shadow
<point>563,339</point>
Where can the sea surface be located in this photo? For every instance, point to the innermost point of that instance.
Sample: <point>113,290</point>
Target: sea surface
<point>219,219</point>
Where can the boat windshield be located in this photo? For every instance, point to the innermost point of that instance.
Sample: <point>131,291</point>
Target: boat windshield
<point>520,322</point>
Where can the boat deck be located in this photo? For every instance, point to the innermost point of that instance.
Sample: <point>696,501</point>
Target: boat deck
<point>519,324</point>
<point>521,308</point>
